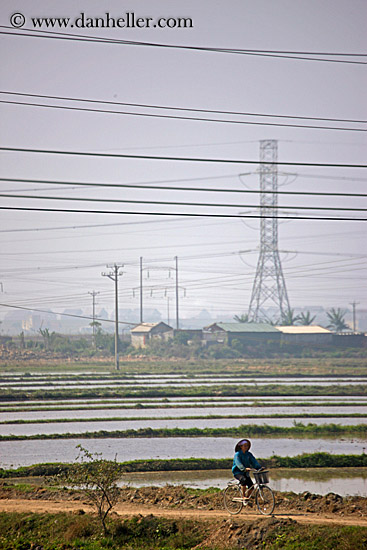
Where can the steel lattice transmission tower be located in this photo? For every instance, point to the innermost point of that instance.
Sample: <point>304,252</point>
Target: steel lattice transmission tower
<point>269,283</point>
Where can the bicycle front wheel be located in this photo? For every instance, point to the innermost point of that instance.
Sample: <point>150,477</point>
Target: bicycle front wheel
<point>233,499</point>
<point>265,500</point>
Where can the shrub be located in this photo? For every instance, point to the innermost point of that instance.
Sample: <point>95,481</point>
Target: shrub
<point>97,479</point>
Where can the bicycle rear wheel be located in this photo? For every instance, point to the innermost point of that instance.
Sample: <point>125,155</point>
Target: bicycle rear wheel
<point>265,500</point>
<point>232,498</point>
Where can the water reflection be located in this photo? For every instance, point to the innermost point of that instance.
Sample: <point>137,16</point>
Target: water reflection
<point>205,382</point>
<point>135,424</point>
<point>353,481</point>
<point>26,453</point>
<point>240,412</point>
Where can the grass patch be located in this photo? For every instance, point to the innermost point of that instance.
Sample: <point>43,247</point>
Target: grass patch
<point>306,460</point>
<point>194,417</point>
<point>299,430</point>
<point>179,405</point>
<point>336,362</point>
<point>237,390</point>
<point>72,531</point>
<point>315,537</point>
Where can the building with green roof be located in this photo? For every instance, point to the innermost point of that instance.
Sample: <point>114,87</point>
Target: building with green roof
<point>244,332</point>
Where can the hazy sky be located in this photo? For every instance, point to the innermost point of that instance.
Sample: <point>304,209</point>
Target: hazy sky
<point>49,260</point>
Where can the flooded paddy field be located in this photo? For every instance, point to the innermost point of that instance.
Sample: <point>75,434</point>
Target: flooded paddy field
<point>63,382</point>
<point>88,413</point>
<point>136,423</point>
<point>321,481</point>
<point>76,416</point>
<point>140,382</point>
<point>25,453</point>
<point>263,403</point>
<point>160,413</point>
<point>350,481</point>
<point>102,377</point>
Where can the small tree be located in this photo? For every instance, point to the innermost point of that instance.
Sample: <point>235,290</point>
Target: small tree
<point>48,337</point>
<point>243,318</point>
<point>96,478</point>
<point>289,318</point>
<point>337,319</point>
<point>96,326</point>
<point>305,319</point>
<point>181,337</point>
<point>22,340</point>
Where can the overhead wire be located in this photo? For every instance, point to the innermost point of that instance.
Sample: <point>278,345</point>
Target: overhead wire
<point>179,222</point>
<point>198,284</point>
<point>177,117</point>
<point>212,283</point>
<point>285,54</point>
<point>148,247</point>
<point>175,108</point>
<point>61,228</point>
<point>67,314</point>
<point>184,214</point>
<point>151,185</point>
<point>180,203</point>
<point>296,272</point>
<point>212,255</point>
<point>178,159</point>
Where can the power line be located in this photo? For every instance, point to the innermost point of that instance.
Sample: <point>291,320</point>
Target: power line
<point>148,247</point>
<point>198,283</point>
<point>177,159</point>
<point>165,107</point>
<point>185,214</point>
<point>53,268</point>
<point>285,54</point>
<point>176,117</point>
<point>230,280</point>
<point>292,272</point>
<point>65,314</point>
<point>145,185</point>
<point>60,228</point>
<point>212,282</point>
<point>323,177</point>
<point>178,203</point>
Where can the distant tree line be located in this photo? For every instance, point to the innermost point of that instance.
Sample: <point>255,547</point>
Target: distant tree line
<point>336,318</point>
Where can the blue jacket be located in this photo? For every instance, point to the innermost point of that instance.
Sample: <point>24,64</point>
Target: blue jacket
<point>241,461</point>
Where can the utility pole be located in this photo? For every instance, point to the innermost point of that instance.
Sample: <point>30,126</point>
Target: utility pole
<point>94,294</point>
<point>141,289</point>
<point>354,304</point>
<point>177,317</point>
<point>114,275</point>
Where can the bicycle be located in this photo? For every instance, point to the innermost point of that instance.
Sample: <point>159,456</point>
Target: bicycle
<point>264,496</point>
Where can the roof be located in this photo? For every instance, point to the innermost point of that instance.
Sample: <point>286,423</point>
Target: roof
<point>244,327</point>
<point>147,327</point>
<point>304,329</point>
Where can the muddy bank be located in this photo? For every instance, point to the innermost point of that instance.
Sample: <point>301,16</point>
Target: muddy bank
<point>210,499</point>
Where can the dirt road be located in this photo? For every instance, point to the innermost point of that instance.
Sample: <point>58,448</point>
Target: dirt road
<point>126,510</point>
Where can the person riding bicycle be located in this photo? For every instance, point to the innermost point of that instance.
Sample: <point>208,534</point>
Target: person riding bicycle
<point>242,461</point>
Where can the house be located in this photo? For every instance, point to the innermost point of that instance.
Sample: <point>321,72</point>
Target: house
<point>188,335</point>
<point>146,332</point>
<point>248,333</point>
<point>349,339</point>
<point>306,334</point>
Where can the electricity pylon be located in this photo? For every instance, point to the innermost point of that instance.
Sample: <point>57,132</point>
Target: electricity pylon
<point>269,283</point>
